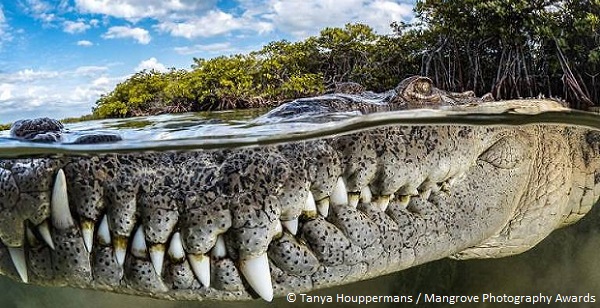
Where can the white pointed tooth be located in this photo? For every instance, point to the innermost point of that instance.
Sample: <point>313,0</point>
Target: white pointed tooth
<point>61,214</point>
<point>366,195</point>
<point>291,225</point>
<point>323,206</point>
<point>157,255</point>
<point>138,246</point>
<point>176,251</point>
<point>201,267</point>
<point>408,189</point>
<point>219,250</point>
<point>353,199</point>
<point>278,232</point>
<point>257,272</point>
<point>31,238</point>
<point>120,249</point>
<point>339,195</point>
<point>403,201</point>
<point>17,254</point>
<point>382,202</point>
<point>452,181</point>
<point>310,207</point>
<point>445,186</point>
<point>87,231</point>
<point>45,233</point>
<point>425,194</point>
<point>104,232</point>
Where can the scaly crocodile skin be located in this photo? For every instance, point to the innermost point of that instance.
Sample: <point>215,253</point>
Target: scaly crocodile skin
<point>264,221</point>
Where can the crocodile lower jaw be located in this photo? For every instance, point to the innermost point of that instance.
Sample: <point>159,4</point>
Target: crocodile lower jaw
<point>262,222</point>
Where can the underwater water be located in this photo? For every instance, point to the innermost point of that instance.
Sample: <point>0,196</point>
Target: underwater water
<point>565,263</point>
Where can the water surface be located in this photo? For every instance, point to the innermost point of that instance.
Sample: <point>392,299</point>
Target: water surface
<point>228,129</point>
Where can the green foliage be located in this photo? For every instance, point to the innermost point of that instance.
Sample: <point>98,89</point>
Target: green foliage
<point>512,48</point>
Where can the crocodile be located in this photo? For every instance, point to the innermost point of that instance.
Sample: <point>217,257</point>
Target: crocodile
<point>265,220</point>
<point>411,93</point>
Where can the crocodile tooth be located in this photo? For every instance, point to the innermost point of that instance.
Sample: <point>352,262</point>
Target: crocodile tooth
<point>61,214</point>
<point>353,198</point>
<point>382,202</point>
<point>87,231</point>
<point>17,254</point>
<point>157,255</point>
<point>138,245</point>
<point>176,252</point>
<point>412,192</point>
<point>278,232</point>
<point>257,272</point>
<point>104,232</point>
<point>339,195</point>
<point>201,267</point>
<point>445,186</point>
<point>425,194</point>
<point>120,249</point>
<point>452,181</point>
<point>323,206</point>
<point>310,207</point>
<point>291,225</point>
<point>403,201</point>
<point>219,250</point>
<point>31,238</point>
<point>45,233</point>
<point>366,195</point>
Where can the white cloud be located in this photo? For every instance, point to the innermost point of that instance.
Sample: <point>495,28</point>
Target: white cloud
<point>41,10</point>
<point>101,82</point>
<point>300,18</point>
<point>85,43</point>
<point>91,91</point>
<point>6,90</point>
<point>90,70</point>
<point>151,64</point>
<point>139,34</point>
<point>193,19</point>
<point>75,26</point>
<point>37,7</point>
<point>47,17</point>
<point>27,75</point>
<point>216,48</point>
<point>5,35</point>
<point>306,17</point>
<point>213,23</point>
<point>31,93</point>
<point>138,9</point>
<point>380,14</point>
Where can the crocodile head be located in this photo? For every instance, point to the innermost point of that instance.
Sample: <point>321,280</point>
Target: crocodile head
<point>235,224</point>
<point>418,92</point>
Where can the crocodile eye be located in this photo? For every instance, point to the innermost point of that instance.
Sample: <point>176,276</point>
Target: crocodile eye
<point>506,153</point>
<point>423,86</point>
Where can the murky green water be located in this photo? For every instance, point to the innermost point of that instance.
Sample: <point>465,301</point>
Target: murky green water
<point>566,263</point>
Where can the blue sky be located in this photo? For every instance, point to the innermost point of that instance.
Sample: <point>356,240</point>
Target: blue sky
<point>57,57</point>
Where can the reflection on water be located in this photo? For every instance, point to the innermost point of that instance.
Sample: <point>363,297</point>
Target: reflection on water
<point>242,128</point>
<point>566,262</point>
